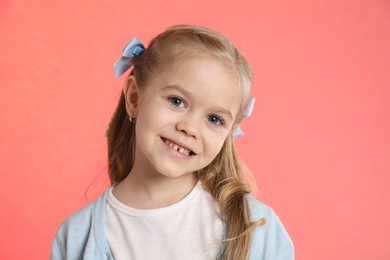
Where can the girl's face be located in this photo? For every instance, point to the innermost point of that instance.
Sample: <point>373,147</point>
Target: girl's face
<point>183,116</point>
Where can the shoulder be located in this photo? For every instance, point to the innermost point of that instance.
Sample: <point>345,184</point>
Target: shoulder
<point>82,233</point>
<point>83,219</point>
<point>78,221</point>
<point>257,208</point>
<point>270,240</point>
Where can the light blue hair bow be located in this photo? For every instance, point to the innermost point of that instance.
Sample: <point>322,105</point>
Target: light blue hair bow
<point>134,48</point>
<point>238,131</point>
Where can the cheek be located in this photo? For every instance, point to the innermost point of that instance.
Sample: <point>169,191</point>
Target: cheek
<point>214,145</point>
<point>152,118</point>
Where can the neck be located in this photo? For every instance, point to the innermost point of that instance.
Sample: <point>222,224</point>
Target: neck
<point>148,191</point>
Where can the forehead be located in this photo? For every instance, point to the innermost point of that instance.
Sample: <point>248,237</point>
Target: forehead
<point>202,70</point>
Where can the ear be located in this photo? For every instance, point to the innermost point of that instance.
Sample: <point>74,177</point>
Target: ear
<point>131,94</point>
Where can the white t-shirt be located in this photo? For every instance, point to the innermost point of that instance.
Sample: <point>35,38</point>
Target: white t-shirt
<point>188,229</point>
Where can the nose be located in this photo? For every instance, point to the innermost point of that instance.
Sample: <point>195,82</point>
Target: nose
<point>189,127</point>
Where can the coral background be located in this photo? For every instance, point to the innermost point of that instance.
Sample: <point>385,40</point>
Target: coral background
<point>318,141</point>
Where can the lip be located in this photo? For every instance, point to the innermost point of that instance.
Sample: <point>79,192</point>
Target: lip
<point>175,152</point>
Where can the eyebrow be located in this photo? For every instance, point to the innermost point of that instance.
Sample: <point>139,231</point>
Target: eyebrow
<point>178,88</point>
<point>189,94</point>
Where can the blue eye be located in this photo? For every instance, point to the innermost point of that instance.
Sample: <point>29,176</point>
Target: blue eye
<point>216,120</point>
<point>177,102</point>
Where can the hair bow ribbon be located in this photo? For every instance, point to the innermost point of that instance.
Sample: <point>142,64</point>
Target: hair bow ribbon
<point>238,131</point>
<point>134,48</point>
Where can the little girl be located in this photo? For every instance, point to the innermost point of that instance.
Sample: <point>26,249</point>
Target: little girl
<point>178,187</point>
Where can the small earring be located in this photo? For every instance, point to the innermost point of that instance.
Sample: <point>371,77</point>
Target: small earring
<point>132,120</point>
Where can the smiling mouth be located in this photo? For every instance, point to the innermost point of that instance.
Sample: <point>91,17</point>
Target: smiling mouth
<point>178,148</point>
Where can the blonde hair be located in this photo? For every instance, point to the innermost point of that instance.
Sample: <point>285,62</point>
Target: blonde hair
<point>223,177</point>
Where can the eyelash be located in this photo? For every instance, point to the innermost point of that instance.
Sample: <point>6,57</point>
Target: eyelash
<point>173,101</point>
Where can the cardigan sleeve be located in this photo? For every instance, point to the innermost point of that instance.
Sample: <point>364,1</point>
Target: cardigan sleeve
<point>270,241</point>
<point>56,250</point>
<point>280,245</point>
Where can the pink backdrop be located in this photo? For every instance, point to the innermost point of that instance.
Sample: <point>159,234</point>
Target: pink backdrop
<point>318,142</point>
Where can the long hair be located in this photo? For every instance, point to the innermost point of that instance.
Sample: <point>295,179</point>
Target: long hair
<point>223,177</point>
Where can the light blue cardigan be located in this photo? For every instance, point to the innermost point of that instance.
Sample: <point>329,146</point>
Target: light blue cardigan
<point>82,235</point>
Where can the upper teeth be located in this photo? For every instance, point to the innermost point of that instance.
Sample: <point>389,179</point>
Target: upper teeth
<point>178,148</point>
